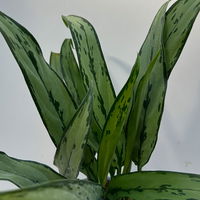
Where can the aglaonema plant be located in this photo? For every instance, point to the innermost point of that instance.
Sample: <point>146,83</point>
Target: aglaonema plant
<point>96,132</point>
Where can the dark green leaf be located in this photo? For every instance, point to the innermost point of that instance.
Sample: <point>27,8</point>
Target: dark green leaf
<point>114,126</point>
<point>158,185</point>
<point>57,190</point>
<point>92,66</point>
<point>25,173</point>
<point>51,97</point>
<point>70,151</point>
<point>179,21</point>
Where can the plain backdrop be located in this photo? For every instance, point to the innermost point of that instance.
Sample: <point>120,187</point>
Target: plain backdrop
<point>122,26</point>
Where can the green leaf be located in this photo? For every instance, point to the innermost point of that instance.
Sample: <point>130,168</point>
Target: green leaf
<point>57,190</point>
<point>55,63</point>
<point>139,114</point>
<point>89,164</point>
<point>149,89</point>
<point>114,126</point>
<point>94,72</point>
<point>119,157</point>
<point>47,89</point>
<point>168,33</point>
<point>153,43</point>
<point>70,151</point>
<point>67,68</point>
<point>158,185</point>
<point>92,65</point>
<point>65,65</point>
<point>94,135</point>
<point>25,173</point>
<point>179,21</point>
<point>71,72</point>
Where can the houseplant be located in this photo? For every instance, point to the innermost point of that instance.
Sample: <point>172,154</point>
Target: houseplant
<point>94,131</point>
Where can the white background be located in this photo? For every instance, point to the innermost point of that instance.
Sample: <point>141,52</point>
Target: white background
<point>121,26</point>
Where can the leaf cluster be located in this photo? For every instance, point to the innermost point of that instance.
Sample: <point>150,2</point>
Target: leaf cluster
<point>95,131</point>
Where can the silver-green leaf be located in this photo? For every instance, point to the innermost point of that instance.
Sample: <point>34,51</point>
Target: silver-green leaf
<point>92,65</point>
<point>178,24</point>
<point>138,142</point>
<point>142,128</point>
<point>168,33</point>
<point>155,185</point>
<point>71,72</point>
<point>70,151</point>
<point>114,126</point>
<point>25,173</point>
<point>57,190</point>
<point>47,89</point>
<point>65,65</point>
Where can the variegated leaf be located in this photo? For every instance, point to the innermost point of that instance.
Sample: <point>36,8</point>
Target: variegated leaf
<point>114,126</point>
<point>89,164</point>
<point>48,91</point>
<point>94,72</point>
<point>119,157</point>
<point>158,185</point>
<point>71,72</point>
<point>147,108</point>
<point>169,31</point>
<point>136,141</point>
<point>66,67</point>
<point>25,173</point>
<point>92,65</point>
<point>57,190</point>
<point>74,82</point>
<point>70,151</point>
<point>179,21</point>
<point>55,63</point>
